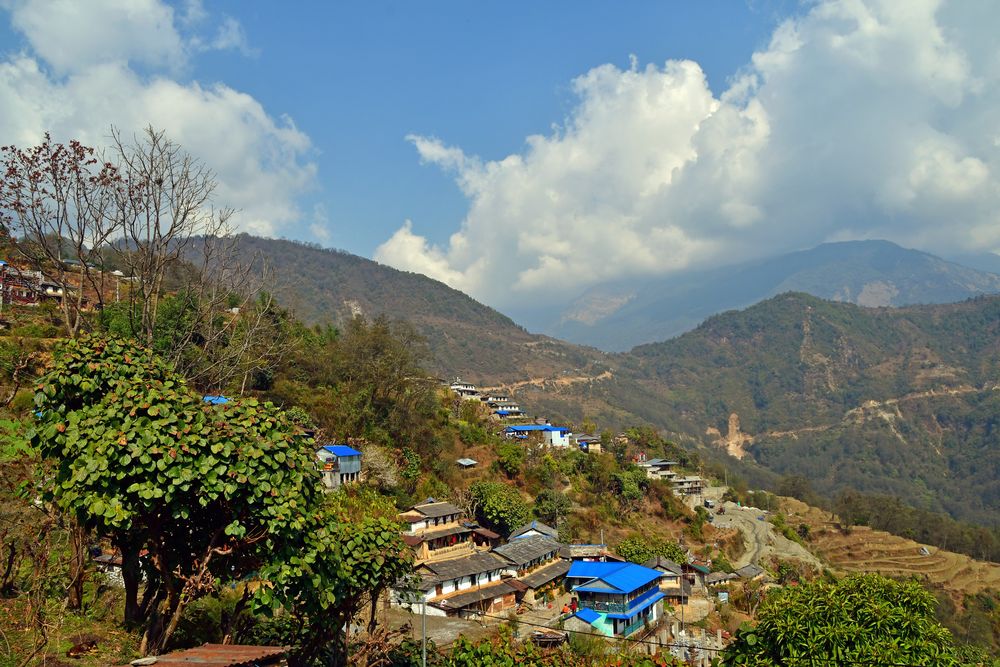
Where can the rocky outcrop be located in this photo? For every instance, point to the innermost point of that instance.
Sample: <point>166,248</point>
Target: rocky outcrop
<point>735,441</point>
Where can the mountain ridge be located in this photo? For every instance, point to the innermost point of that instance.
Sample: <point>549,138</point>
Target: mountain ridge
<point>465,338</point>
<point>619,316</point>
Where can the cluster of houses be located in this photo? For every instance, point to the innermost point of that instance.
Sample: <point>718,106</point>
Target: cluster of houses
<point>662,469</point>
<point>504,408</point>
<point>498,403</point>
<point>462,569</point>
<point>26,288</point>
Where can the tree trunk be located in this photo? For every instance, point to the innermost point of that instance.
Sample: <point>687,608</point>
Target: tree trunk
<point>7,578</point>
<point>77,567</point>
<point>231,625</point>
<point>154,639</point>
<point>131,577</point>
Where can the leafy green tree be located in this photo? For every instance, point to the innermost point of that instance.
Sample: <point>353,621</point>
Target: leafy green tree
<point>629,486</point>
<point>863,618</point>
<point>330,570</point>
<point>209,491</point>
<point>639,548</point>
<point>499,506</point>
<point>217,495</point>
<point>510,457</point>
<point>551,506</point>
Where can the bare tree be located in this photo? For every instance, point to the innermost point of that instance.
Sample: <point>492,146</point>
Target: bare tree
<point>59,199</point>
<point>168,224</point>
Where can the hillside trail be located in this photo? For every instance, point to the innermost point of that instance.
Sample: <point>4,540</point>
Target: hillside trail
<point>873,405</point>
<point>761,540</point>
<point>541,383</point>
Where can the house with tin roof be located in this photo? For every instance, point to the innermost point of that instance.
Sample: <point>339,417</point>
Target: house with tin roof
<point>438,530</point>
<point>615,599</point>
<point>535,561</point>
<point>552,436</point>
<point>462,587</point>
<point>339,464</point>
<point>534,528</point>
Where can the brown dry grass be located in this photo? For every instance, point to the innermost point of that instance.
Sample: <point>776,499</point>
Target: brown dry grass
<point>862,549</point>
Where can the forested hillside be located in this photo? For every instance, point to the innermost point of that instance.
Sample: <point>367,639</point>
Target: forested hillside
<point>884,400</point>
<point>465,337</point>
<point>897,401</point>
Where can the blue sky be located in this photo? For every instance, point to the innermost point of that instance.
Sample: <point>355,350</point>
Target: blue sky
<point>358,77</point>
<point>530,151</point>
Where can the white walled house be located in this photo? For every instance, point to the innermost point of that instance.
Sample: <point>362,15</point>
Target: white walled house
<point>552,436</point>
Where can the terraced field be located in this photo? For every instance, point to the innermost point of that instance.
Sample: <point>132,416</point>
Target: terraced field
<point>867,550</point>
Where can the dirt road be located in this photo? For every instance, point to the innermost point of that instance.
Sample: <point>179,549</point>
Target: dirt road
<point>760,538</point>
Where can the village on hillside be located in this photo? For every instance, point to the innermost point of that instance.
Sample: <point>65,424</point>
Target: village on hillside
<point>468,573</point>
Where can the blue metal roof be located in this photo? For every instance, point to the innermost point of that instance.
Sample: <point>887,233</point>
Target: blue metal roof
<point>624,577</point>
<point>646,604</point>
<point>342,450</point>
<point>503,412</point>
<point>537,427</point>
<point>588,615</point>
<point>591,569</point>
<point>215,400</point>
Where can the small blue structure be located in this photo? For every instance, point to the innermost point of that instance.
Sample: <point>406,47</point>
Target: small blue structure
<point>340,464</point>
<point>215,400</point>
<point>616,599</point>
<point>553,436</point>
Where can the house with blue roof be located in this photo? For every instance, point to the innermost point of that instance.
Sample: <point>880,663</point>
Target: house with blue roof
<point>614,599</point>
<point>552,436</point>
<point>339,464</point>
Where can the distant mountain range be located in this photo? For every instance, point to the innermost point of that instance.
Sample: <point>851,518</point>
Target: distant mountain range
<point>902,401</point>
<point>618,316</point>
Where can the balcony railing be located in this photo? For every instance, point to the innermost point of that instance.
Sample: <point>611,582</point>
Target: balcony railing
<point>440,551</point>
<point>619,607</point>
<point>606,607</point>
<point>638,623</point>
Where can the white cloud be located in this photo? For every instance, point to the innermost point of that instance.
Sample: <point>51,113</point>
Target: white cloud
<point>77,84</point>
<point>72,35</point>
<point>872,116</point>
<point>319,227</point>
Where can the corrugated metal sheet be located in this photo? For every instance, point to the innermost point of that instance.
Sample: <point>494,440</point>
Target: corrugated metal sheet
<point>342,450</point>
<point>527,549</point>
<point>222,655</point>
<point>625,577</point>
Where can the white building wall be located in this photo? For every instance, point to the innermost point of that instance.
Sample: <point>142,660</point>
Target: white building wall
<point>557,438</point>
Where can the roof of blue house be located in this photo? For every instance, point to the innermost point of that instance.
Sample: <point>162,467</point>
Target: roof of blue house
<point>611,577</point>
<point>537,427</point>
<point>342,450</point>
<point>215,400</point>
<point>588,615</point>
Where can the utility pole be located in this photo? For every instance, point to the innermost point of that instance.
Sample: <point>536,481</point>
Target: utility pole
<point>423,632</point>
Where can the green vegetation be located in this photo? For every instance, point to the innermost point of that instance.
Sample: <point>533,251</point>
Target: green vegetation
<point>216,496</point>
<point>464,337</point>
<point>862,619</point>
<point>499,506</point>
<point>641,548</point>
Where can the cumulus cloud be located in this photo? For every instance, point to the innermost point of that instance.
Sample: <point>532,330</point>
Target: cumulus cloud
<point>76,83</point>
<point>861,118</point>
